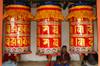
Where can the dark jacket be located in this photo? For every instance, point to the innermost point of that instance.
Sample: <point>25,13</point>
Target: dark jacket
<point>92,58</point>
<point>64,57</point>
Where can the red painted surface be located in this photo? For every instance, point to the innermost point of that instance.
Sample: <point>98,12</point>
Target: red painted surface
<point>1,23</point>
<point>17,34</point>
<point>98,23</point>
<point>48,36</point>
<point>81,35</point>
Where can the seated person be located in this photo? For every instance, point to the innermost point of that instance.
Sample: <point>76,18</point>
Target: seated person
<point>64,59</point>
<point>10,60</point>
<point>50,64</point>
<point>49,59</point>
<point>91,59</point>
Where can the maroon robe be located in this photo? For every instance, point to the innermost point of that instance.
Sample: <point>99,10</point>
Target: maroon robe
<point>64,57</point>
<point>6,57</point>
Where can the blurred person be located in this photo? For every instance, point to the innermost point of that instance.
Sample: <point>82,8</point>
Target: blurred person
<point>10,60</point>
<point>89,60</point>
<point>64,59</point>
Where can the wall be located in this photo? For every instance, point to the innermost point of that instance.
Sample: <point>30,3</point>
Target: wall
<point>65,39</point>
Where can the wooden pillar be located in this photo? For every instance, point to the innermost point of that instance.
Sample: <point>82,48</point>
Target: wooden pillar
<point>98,23</point>
<point>1,23</point>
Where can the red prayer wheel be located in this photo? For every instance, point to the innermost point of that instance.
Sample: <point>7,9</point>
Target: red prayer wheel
<point>49,19</point>
<point>17,31</point>
<point>81,28</point>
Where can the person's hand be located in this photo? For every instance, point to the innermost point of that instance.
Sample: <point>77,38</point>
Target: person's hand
<point>59,62</point>
<point>65,62</point>
<point>81,56</point>
<point>62,63</point>
<point>86,61</point>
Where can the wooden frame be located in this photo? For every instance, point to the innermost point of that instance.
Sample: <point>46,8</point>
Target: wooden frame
<point>1,25</point>
<point>98,25</point>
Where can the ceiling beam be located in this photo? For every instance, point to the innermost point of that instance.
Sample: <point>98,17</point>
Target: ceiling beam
<point>59,1</point>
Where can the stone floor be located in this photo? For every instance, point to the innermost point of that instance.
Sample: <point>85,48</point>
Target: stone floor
<point>37,63</point>
<point>73,63</point>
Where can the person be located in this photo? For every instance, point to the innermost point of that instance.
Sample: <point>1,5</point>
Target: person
<point>10,60</point>
<point>49,59</point>
<point>18,59</point>
<point>50,64</point>
<point>90,60</point>
<point>64,59</point>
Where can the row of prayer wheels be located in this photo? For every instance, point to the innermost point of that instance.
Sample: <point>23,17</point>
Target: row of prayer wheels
<point>49,16</point>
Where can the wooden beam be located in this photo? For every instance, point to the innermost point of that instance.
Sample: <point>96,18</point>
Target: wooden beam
<point>1,23</point>
<point>59,1</point>
<point>98,23</point>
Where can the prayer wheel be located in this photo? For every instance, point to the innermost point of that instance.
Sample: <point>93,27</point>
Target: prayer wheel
<point>17,19</point>
<point>49,19</point>
<point>81,27</point>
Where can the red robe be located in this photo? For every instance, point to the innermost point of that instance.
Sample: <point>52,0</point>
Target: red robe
<point>6,57</point>
<point>49,64</point>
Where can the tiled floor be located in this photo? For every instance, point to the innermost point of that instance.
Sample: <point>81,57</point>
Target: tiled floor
<point>73,63</point>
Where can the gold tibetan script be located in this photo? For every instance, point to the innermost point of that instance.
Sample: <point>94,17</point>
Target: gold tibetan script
<point>7,41</point>
<point>80,41</point>
<point>14,28</point>
<point>71,29</point>
<point>55,30</point>
<point>90,28</point>
<point>46,28</point>
<point>38,29</point>
<point>38,42</point>
<point>91,41</point>
<point>71,41</point>
<point>8,28</point>
<point>79,29</point>
<point>19,42</point>
<point>46,41</point>
<point>13,41</point>
<point>25,41</point>
<point>20,28</point>
<point>26,28</point>
<point>55,43</point>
